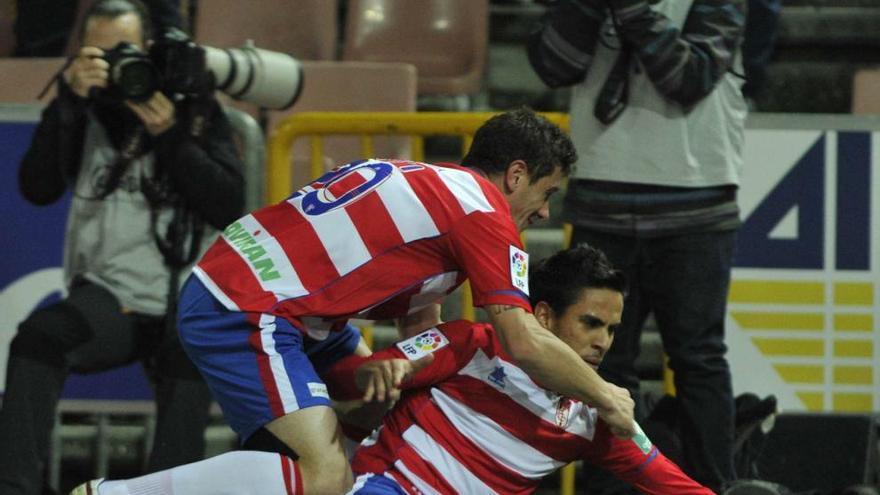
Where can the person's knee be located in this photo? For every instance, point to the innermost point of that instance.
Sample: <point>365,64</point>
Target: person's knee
<point>699,362</point>
<point>48,334</point>
<point>314,434</point>
<point>331,473</point>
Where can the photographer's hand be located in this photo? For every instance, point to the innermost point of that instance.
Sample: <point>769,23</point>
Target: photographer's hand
<point>88,70</point>
<point>157,113</point>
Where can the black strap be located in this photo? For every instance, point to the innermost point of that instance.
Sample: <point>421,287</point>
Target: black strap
<point>614,95</point>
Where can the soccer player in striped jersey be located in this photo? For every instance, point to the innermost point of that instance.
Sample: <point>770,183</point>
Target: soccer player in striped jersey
<point>267,306</point>
<point>473,421</point>
<point>470,420</point>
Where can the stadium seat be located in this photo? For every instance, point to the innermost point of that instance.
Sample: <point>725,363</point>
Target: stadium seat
<point>866,91</point>
<point>306,29</point>
<point>445,39</point>
<point>7,21</point>
<point>24,78</point>
<point>350,87</point>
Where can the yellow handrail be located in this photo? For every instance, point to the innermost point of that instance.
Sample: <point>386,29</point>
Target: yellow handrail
<point>366,125</point>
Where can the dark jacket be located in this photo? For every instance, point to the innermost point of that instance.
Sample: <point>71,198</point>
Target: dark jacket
<point>206,171</point>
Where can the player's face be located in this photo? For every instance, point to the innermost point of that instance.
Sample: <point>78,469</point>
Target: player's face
<point>530,202</point>
<point>588,325</point>
<point>107,32</point>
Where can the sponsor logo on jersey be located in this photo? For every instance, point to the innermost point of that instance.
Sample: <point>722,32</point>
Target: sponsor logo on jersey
<point>243,241</point>
<point>423,344</point>
<point>497,376</point>
<point>519,269</point>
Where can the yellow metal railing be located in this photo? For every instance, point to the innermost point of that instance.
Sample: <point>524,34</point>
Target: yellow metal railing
<point>416,125</point>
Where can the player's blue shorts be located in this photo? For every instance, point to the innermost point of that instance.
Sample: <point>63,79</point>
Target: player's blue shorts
<point>375,484</point>
<point>259,367</point>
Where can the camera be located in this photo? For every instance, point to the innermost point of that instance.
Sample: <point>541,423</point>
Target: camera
<point>132,75</point>
<point>177,65</point>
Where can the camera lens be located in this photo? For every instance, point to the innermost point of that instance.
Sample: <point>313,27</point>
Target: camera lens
<point>136,78</point>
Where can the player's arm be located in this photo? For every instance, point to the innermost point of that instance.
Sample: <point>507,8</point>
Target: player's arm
<point>383,374</point>
<point>638,462</point>
<point>419,321</point>
<point>557,367</point>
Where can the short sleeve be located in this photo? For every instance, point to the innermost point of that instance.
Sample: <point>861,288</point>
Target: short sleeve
<point>489,250</point>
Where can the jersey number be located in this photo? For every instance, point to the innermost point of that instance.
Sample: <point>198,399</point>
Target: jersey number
<point>343,186</point>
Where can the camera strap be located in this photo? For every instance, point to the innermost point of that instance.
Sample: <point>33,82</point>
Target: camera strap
<point>57,76</point>
<point>614,95</point>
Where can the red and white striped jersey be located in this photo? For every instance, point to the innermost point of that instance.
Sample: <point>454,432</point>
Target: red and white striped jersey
<point>474,422</point>
<point>372,239</point>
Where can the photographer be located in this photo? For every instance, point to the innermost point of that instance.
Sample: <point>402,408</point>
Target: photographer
<point>657,116</point>
<point>151,182</point>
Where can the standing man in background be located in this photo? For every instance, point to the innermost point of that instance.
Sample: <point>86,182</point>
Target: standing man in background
<point>151,181</point>
<point>658,122</point>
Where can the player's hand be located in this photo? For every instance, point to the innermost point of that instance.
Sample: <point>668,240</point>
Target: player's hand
<point>380,379</point>
<point>88,70</point>
<point>157,113</point>
<point>618,413</point>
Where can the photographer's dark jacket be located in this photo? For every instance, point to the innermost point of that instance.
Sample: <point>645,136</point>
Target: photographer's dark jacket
<point>114,234</point>
<point>671,160</point>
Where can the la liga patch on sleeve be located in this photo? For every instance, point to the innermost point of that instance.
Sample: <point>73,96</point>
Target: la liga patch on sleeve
<point>519,269</point>
<point>423,344</point>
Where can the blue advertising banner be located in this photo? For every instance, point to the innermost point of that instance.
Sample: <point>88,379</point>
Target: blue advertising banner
<point>30,273</point>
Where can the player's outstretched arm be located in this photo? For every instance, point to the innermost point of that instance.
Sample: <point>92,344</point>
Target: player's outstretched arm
<point>638,462</point>
<point>555,366</point>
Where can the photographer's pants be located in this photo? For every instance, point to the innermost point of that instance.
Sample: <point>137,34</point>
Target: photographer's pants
<point>683,280</point>
<point>88,332</point>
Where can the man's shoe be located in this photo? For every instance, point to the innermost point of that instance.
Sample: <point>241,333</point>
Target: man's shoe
<point>87,488</point>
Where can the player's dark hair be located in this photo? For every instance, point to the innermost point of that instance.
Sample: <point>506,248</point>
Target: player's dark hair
<point>524,135</point>
<point>559,279</point>
<point>112,9</point>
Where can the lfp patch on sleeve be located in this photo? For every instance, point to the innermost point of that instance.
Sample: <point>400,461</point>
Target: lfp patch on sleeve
<point>519,269</point>
<point>423,344</point>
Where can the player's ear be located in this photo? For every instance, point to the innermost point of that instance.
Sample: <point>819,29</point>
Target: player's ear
<point>544,314</point>
<point>516,175</point>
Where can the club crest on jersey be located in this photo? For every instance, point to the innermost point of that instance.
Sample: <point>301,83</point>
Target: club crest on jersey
<point>563,411</point>
<point>519,269</point>
<point>497,376</point>
<point>422,344</point>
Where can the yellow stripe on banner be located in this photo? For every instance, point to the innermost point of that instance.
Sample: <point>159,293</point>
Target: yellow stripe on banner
<point>853,375</point>
<point>775,292</point>
<point>854,293</point>
<point>796,373</point>
<point>853,323</point>
<point>854,348</point>
<point>811,322</point>
<point>789,347</point>
<point>813,401</point>
<point>853,402</point>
